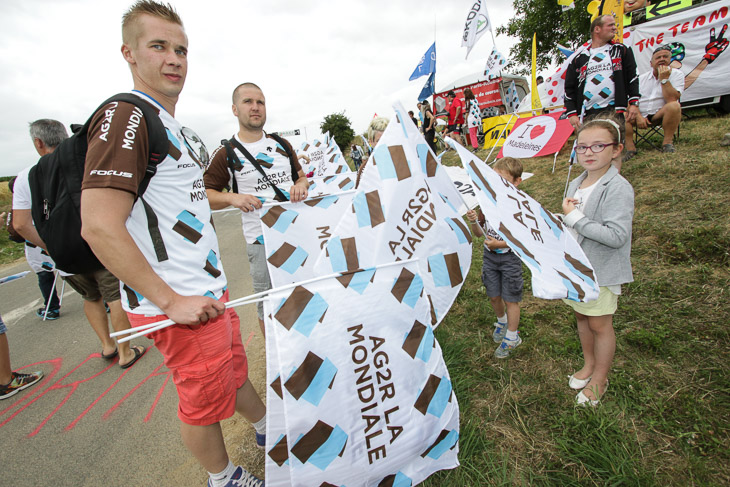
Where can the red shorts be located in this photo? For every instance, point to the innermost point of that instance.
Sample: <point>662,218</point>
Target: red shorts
<point>208,364</point>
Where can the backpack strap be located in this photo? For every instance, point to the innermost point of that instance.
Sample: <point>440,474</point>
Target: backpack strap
<point>159,144</point>
<point>279,194</point>
<point>234,163</point>
<point>287,148</point>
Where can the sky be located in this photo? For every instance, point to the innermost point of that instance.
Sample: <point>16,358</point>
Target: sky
<point>61,58</point>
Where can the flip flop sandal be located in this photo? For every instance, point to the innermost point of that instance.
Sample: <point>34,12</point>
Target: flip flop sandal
<point>111,355</point>
<point>137,355</point>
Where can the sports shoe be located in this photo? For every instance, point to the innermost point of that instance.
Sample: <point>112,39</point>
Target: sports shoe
<point>260,441</point>
<point>52,314</point>
<point>242,478</point>
<point>668,148</point>
<point>19,382</point>
<point>500,330</point>
<point>506,347</point>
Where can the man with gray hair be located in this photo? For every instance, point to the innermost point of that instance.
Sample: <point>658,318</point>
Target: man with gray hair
<point>95,287</point>
<point>46,134</point>
<point>660,90</point>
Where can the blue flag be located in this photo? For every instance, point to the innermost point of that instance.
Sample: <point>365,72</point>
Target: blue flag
<point>427,65</point>
<point>429,88</point>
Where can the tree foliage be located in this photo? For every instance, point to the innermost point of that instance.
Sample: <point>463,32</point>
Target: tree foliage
<point>553,27</point>
<point>338,125</point>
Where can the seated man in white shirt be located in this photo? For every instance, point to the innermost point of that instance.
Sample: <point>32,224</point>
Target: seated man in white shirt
<point>660,90</point>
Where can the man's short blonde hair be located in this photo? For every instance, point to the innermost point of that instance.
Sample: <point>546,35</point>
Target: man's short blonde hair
<point>130,19</point>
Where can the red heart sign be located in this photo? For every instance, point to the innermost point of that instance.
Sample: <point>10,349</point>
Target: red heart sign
<point>537,131</point>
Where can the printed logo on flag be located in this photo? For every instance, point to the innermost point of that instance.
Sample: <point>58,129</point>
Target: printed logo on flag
<point>391,162</point>
<point>301,311</point>
<point>407,288</point>
<point>311,380</point>
<point>419,342</point>
<point>288,258</point>
<point>434,397</point>
<point>446,441</point>
<point>279,218</point>
<point>320,445</point>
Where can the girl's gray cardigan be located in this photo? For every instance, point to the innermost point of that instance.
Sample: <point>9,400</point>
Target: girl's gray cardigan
<point>604,227</point>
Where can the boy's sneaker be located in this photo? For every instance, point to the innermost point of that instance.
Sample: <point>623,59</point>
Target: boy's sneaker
<point>506,347</point>
<point>500,330</point>
<point>19,382</point>
<point>260,441</point>
<point>52,314</point>
<point>242,478</point>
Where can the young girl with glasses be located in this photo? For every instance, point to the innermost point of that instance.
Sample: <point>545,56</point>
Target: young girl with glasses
<point>599,208</point>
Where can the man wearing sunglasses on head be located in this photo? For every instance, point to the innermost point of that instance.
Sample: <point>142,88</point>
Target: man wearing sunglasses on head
<point>162,245</point>
<point>257,167</point>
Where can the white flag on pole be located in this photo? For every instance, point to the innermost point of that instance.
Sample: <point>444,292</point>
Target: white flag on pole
<point>477,23</point>
<point>494,65</point>
<point>358,392</point>
<point>322,158</point>
<point>332,184</point>
<point>406,207</point>
<point>558,265</point>
<point>295,233</point>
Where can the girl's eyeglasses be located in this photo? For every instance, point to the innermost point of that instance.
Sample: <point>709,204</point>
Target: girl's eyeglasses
<point>595,148</point>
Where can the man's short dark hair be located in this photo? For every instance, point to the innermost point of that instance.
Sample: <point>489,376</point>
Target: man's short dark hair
<point>50,132</point>
<point>247,84</point>
<point>451,93</point>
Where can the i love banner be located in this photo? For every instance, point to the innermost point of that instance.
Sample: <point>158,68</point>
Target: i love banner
<point>537,136</point>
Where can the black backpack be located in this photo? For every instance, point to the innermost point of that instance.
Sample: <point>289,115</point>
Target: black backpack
<point>55,186</point>
<point>234,163</point>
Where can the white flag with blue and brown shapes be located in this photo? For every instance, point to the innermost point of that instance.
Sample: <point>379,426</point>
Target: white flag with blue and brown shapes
<point>357,389</point>
<point>322,158</point>
<point>406,207</point>
<point>295,233</point>
<point>559,267</point>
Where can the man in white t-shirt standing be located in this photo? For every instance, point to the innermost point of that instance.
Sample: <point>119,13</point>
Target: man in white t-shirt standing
<point>273,174</point>
<point>162,244</point>
<point>47,134</point>
<point>660,90</point>
<point>602,76</point>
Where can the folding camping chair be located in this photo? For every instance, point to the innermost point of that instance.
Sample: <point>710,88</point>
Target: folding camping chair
<point>646,135</point>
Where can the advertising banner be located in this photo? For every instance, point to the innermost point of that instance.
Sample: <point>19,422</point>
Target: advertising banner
<point>699,40</point>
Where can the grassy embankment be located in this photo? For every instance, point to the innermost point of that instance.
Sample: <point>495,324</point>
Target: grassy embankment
<point>665,419</point>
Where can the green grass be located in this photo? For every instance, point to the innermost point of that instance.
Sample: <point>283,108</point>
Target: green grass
<point>9,250</point>
<point>664,420</point>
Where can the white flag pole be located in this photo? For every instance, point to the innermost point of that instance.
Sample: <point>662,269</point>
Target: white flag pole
<point>48,305</point>
<point>253,298</point>
<point>339,193</point>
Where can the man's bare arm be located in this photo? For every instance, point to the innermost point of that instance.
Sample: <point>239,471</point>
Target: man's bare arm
<point>23,224</point>
<point>104,212</point>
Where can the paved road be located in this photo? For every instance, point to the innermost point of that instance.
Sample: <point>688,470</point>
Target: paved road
<point>88,422</point>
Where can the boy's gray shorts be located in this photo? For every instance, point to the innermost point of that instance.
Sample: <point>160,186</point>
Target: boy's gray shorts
<point>259,272</point>
<point>502,275</point>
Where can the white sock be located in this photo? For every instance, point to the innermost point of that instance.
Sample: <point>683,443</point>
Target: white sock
<point>220,479</point>
<point>502,319</point>
<point>511,335</point>
<point>260,426</point>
